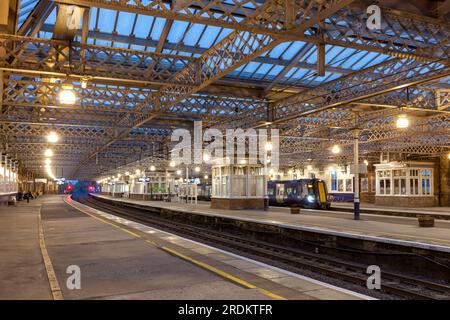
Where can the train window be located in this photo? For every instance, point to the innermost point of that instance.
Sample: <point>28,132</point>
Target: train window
<point>270,191</point>
<point>310,189</point>
<point>289,191</point>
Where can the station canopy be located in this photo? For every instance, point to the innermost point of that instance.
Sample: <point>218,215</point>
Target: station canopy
<point>139,69</point>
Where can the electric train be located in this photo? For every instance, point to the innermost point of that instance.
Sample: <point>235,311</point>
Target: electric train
<point>307,193</point>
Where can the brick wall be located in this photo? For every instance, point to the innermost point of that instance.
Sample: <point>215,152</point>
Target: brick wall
<point>236,204</point>
<point>409,202</point>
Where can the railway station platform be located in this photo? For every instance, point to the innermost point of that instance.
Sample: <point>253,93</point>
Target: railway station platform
<point>436,212</point>
<point>44,243</point>
<point>390,229</point>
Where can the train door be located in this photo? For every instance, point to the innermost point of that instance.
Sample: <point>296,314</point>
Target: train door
<point>322,190</point>
<point>279,192</point>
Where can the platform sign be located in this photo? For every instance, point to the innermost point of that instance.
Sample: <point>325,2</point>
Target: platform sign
<point>362,168</point>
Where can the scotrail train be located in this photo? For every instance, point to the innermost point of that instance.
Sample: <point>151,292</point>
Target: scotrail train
<point>307,193</point>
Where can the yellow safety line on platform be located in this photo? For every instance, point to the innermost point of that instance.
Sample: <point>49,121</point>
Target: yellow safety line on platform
<point>52,279</point>
<point>223,274</point>
<point>184,257</point>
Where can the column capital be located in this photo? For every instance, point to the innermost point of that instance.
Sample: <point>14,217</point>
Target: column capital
<point>356,133</point>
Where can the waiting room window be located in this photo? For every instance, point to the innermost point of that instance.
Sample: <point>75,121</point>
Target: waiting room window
<point>426,181</point>
<point>384,178</point>
<point>349,185</point>
<point>414,181</point>
<point>399,182</point>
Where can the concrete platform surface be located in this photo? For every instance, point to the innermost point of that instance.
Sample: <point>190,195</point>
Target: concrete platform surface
<point>386,228</point>
<point>418,210</point>
<point>120,259</point>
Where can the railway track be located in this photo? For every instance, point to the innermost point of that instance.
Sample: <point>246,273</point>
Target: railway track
<point>393,284</point>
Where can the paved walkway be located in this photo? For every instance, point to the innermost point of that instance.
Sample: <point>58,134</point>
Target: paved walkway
<point>121,259</point>
<point>23,274</point>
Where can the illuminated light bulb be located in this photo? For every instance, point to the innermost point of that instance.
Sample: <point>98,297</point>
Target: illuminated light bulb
<point>178,172</point>
<point>127,173</point>
<point>366,162</point>
<point>336,149</point>
<point>206,176</point>
<point>268,146</point>
<point>172,164</point>
<point>402,122</point>
<point>47,161</point>
<point>271,171</point>
<point>309,167</point>
<point>119,175</point>
<point>206,157</point>
<point>52,137</point>
<point>84,84</point>
<point>330,168</point>
<point>48,153</point>
<point>152,168</point>
<point>67,95</point>
<point>138,171</point>
<point>197,169</point>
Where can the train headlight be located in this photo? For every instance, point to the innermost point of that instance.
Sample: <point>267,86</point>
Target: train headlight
<point>310,198</point>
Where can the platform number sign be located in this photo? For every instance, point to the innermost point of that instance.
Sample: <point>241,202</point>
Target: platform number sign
<point>74,280</point>
<point>374,17</point>
<point>374,280</point>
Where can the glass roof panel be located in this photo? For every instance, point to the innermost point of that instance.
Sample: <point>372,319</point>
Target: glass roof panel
<point>209,36</point>
<point>262,70</point>
<point>143,24</point>
<point>176,31</point>
<point>224,33</point>
<point>137,47</point>
<point>51,19</point>
<point>249,69</point>
<point>276,52</point>
<point>299,74</point>
<point>125,23</point>
<point>26,6</point>
<point>92,18</point>
<point>158,27</point>
<point>193,33</point>
<point>274,72</point>
<point>106,20</point>
<point>292,51</point>
<point>101,42</point>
